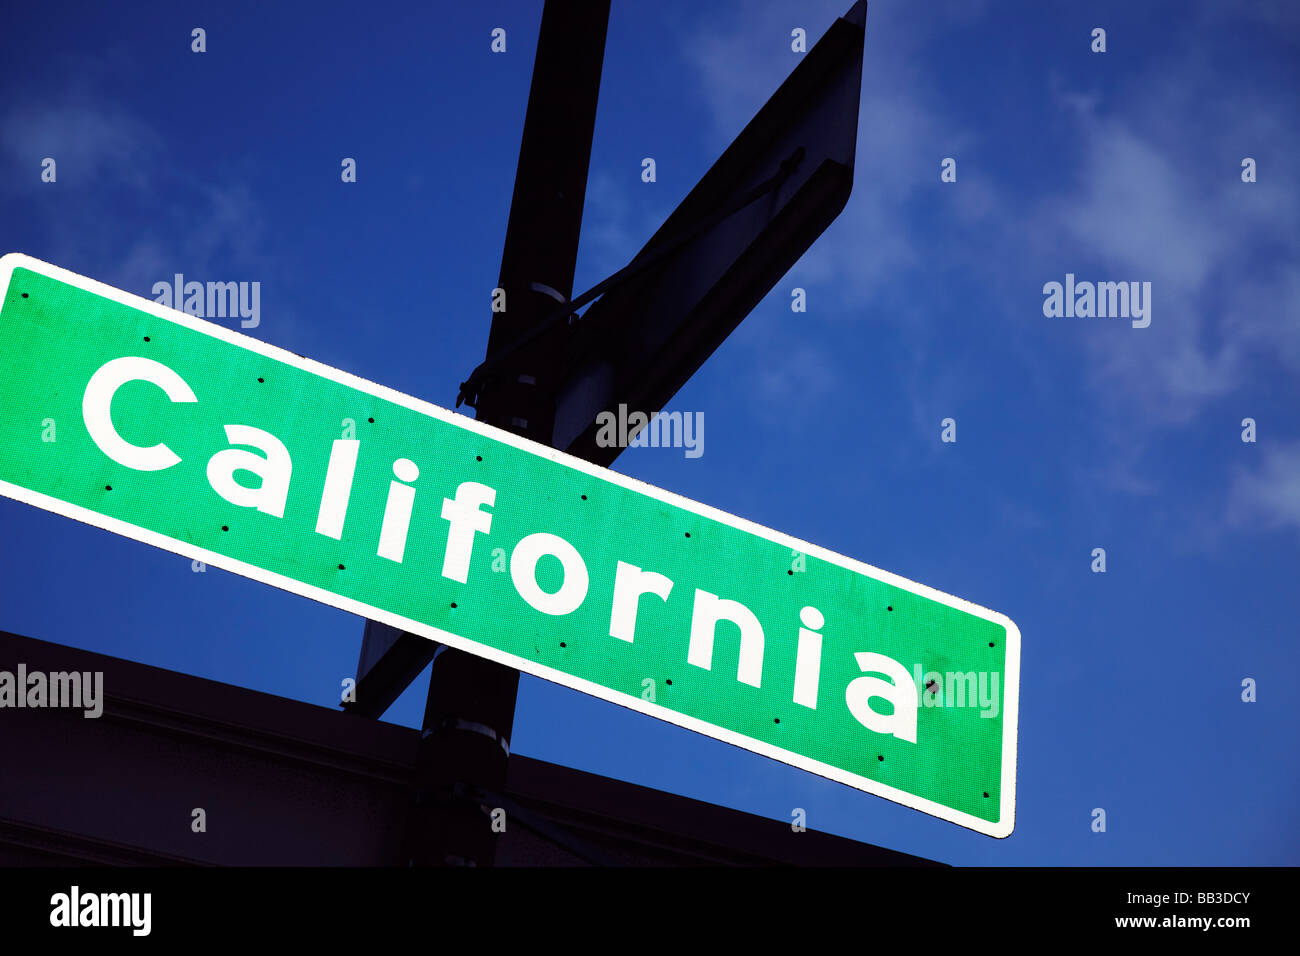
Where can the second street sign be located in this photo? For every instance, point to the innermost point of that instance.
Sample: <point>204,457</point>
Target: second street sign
<point>190,437</point>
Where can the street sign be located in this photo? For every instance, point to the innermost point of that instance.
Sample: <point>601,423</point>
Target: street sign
<point>189,436</point>
<point>645,337</point>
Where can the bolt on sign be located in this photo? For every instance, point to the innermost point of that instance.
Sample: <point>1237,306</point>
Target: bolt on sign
<point>195,438</point>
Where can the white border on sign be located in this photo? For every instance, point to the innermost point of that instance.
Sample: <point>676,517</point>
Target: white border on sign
<point>1006,820</point>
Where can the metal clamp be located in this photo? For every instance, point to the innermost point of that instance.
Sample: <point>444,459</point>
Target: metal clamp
<point>473,726</point>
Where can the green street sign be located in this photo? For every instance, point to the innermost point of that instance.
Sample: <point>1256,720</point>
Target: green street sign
<point>189,436</point>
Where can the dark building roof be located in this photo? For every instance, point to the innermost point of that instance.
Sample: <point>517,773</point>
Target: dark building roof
<point>281,782</point>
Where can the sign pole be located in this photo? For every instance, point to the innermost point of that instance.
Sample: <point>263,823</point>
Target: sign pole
<point>470,709</point>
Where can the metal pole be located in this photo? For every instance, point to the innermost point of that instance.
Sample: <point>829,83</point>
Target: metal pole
<point>470,710</point>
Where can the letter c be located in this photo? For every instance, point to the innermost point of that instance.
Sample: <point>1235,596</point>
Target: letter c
<point>97,402</point>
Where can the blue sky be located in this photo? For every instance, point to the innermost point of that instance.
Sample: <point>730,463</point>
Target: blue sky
<point>924,302</point>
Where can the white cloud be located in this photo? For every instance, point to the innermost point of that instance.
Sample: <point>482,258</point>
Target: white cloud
<point>1158,197</point>
<point>141,216</point>
<point>798,375</point>
<point>92,146</point>
<point>1269,494</point>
